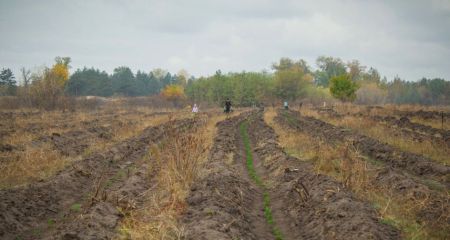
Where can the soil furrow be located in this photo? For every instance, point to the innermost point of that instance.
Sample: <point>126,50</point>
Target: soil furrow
<point>32,210</point>
<point>225,203</point>
<point>416,131</point>
<point>436,209</point>
<point>415,164</point>
<point>313,206</point>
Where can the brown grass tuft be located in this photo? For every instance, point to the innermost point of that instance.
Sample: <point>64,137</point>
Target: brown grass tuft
<point>176,164</point>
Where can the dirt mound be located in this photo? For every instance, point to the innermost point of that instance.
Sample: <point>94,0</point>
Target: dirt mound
<point>59,206</point>
<point>413,163</point>
<point>320,207</point>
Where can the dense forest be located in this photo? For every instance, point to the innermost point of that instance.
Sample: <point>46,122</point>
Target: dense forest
<point>290,80</point>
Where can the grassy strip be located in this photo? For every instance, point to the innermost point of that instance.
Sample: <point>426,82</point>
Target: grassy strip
<point>254,176</point>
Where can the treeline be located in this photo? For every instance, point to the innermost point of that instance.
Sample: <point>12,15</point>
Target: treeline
<point>333,78</point>
<point>425,91</point>
<point>290,80</point>
<point>123,82</point>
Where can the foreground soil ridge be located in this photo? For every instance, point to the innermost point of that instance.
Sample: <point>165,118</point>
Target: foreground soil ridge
<point>436,210</point>
<point>92,188</point>
<point>227,204</point>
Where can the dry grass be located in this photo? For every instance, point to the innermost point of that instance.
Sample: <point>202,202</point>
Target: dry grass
<point>346,165</point>
<point>383,133</point>
<point>434,123</point>
<point>176,163</point>
<point>30,165</point>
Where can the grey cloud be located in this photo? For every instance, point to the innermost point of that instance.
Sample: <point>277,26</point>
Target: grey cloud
<point>408,38</point>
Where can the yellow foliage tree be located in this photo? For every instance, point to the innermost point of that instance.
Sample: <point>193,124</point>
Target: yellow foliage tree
<point>173,93</point>
<point>47,90</point>
<point>60,70</point>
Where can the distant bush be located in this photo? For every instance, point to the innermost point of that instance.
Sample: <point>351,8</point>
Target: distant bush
<point>343,88</point>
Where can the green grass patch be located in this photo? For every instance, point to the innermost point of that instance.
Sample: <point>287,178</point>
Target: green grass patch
<point>254,176</point>
<point>76,207</point>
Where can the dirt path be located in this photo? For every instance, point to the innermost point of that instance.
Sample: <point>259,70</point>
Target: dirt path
<point>223,204</point>
<point>82,202</point>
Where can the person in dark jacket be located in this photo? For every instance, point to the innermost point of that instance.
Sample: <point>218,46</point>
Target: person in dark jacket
<point>227,106</point>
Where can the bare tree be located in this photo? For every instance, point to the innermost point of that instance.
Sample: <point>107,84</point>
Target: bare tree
<point>26,76</point>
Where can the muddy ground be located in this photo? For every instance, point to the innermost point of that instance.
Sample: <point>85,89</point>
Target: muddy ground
<point>82,201</point>
<point>227,204</point>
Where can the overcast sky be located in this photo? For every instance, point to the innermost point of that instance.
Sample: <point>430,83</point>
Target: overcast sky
<point>408,38</point>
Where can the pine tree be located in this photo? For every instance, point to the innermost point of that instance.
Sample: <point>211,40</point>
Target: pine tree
<point>7,82</point>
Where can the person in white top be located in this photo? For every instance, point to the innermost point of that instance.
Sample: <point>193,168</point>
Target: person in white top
<point>195,108</point>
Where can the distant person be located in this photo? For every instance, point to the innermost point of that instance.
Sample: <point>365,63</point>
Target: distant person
<point>227,106</point>
<point>286,107</point>
<point>195,108</point>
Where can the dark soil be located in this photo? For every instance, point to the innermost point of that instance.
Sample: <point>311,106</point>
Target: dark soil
<point>73,143</point>
<point>82,201</point>
<point>224,203</point>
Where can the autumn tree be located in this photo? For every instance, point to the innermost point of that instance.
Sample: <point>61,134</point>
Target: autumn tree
<point>174,93</point>
<point>60,70</point>
<point>291,78</point>
<point>343,88</point>
<point>47,90</point>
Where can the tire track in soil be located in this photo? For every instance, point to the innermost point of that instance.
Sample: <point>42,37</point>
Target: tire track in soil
<point>437,210</point>
<point>226,204</point>
<point>79,202</point>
